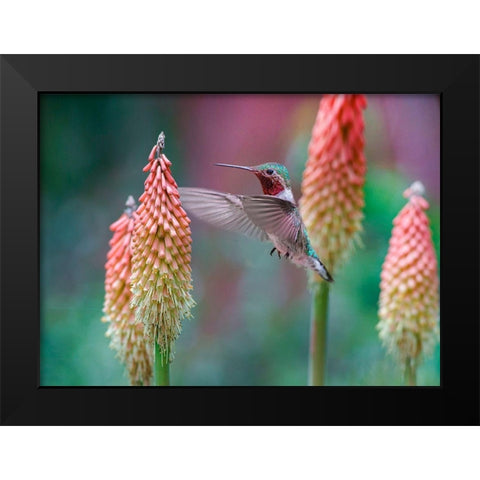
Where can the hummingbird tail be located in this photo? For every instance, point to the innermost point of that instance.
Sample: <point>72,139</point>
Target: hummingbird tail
<point>320,268</point>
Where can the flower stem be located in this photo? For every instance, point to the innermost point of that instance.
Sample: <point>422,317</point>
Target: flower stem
<point>162,367</point>
<point>318,334</point>
<point>410,373</point>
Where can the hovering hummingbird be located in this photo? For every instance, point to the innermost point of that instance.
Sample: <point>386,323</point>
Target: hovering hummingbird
<point>273,216</point>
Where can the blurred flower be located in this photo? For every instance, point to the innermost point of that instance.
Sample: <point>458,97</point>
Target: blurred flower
<point>126,335</point>
<point>409,303</point>
<point>161,272</point>
<point>332,187</point>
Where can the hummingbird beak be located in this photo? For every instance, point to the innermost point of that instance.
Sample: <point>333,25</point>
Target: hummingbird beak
<point>250,169</point>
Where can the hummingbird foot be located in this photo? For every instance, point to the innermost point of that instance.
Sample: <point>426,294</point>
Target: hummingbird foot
<point>287,255</point>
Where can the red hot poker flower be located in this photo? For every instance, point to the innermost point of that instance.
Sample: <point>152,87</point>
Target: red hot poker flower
<point>409,302</point>
<point>126,335</point>
<point>332,187</point>
<point>161,273</point>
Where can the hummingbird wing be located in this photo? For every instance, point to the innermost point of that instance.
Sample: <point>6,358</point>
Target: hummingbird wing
<point>276,216</point>
<point>254,216</point>
<point>223,210</point>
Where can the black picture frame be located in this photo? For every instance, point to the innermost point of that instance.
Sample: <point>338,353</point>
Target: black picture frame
<point>24,402</point>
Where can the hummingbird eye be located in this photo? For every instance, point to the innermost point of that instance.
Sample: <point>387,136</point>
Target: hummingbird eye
<point>269,171</point>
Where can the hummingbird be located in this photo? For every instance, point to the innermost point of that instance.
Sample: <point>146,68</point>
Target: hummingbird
<point>273,216</point>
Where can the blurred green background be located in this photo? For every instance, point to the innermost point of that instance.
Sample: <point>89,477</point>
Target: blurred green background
<point>251,322</point>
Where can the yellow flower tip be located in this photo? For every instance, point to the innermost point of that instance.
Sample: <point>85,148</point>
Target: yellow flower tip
<point>161,274</point>
<point>332,186</point>
<point>409,298</point>
<point>126,336</point>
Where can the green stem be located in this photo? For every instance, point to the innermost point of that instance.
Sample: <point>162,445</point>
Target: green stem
<point>318,334</point>
<point>410,373</point>
<point>162,367</point>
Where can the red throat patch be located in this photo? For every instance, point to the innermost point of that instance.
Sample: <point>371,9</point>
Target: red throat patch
<point>270,186</point>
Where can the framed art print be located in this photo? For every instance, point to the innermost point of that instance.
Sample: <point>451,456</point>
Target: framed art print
<point>239,240</point>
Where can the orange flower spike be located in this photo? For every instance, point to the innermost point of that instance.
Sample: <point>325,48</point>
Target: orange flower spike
<point>126,335</point>
<point>332,187</point>
<point>409,298</point>
<point>161,279</point>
